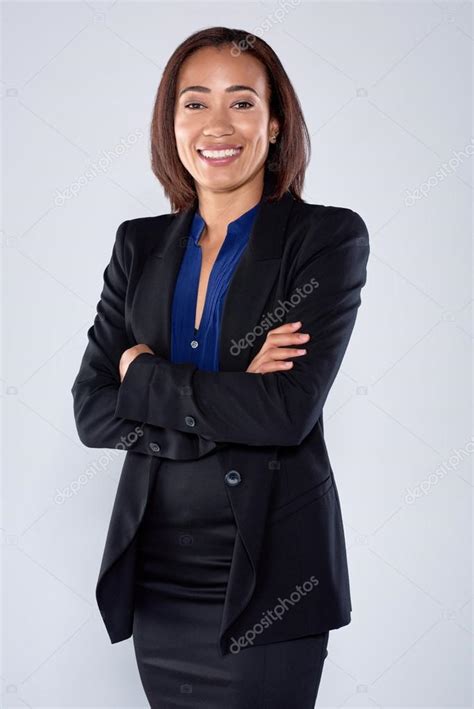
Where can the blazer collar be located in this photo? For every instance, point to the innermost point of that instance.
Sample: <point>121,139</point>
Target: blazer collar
<point>247,294</point>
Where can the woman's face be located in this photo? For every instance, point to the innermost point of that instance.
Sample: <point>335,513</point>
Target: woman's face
<point>219,112</point>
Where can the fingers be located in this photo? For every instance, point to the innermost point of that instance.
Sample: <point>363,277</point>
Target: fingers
<point>272,355</point>
<point>274,366</point>
<point>279,340</point>
<point>279,353</point>
<point>288,327</point>
<point>273,360</point>
<point>286,335</point>
<point>267,366</point>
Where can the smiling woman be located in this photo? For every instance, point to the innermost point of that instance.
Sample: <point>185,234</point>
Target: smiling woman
<point>219,91</point>
<point>229,484</point>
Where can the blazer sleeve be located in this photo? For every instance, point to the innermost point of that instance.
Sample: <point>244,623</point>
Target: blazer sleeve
<point>278,408</point>
<point>97,383</point>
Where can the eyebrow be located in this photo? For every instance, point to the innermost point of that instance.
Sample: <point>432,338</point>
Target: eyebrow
<point>206,90</point>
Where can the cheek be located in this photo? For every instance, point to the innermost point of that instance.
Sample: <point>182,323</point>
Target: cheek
<point>255,130</point>
<point>179,132</point>
<point>182,146</point>
<point>182,128</point>
<point>259,144</point>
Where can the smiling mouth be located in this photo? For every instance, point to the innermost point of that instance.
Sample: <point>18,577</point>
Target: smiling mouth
<point>220,156</point>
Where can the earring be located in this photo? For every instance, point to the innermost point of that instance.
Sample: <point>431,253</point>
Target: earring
<point>273,138</point>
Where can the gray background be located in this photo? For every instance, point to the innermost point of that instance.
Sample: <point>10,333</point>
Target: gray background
<point>386,91</point>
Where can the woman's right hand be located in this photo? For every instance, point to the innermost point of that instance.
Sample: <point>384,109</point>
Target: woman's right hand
<point>277,348</point>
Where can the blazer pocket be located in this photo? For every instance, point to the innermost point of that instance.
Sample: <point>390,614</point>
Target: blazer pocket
<point>314,493</point>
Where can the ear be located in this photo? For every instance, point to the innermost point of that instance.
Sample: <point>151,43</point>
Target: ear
<point>273,127</point>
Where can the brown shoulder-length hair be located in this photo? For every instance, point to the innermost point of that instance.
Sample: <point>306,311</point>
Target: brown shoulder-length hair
<point>287,158</point>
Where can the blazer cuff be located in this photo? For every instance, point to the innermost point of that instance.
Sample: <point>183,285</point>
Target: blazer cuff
<point>173,382</point>
<point>133,392</point>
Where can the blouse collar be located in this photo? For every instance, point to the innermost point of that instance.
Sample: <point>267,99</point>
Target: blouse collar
<point>240,227</point>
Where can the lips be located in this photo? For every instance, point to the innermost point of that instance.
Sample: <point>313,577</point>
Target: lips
<point>221,146</point>
<point>225,160</point>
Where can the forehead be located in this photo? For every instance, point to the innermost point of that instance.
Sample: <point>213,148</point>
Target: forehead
<point>218,68</point>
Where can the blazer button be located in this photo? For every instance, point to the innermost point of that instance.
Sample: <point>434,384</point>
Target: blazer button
<point>190,421</point>
<point>155,447</point>
<point>232,477</point>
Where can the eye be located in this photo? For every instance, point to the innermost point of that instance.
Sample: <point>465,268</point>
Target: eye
<point>197,103</point>
<point>193,103</point>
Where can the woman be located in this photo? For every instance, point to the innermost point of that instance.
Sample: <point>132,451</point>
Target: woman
<point>225,555</point>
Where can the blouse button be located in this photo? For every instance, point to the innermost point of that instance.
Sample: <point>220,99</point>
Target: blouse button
<point>194,344</point>
<point>232,477</point>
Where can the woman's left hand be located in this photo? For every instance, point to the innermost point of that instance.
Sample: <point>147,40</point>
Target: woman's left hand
<point>129,355</point>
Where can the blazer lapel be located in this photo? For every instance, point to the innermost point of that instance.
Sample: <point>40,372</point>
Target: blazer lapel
<point>151,307</point>
<point>251,286</point>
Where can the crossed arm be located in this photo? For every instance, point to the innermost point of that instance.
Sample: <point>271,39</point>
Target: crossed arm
<point>188,411</point>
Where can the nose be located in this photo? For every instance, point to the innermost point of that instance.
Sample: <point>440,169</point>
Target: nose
<point>217,130</point>
<point>218,124</point>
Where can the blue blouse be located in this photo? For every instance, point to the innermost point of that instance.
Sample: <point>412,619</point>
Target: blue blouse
<point>201,347</point>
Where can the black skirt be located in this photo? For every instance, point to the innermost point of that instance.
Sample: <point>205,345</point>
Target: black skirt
<point>185,546</point>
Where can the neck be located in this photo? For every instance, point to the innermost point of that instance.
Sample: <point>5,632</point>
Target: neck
<point>218,209</point>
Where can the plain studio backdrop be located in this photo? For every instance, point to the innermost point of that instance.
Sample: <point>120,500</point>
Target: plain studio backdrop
<point>386,92</point>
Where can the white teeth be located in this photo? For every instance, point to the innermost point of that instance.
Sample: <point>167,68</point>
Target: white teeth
<point>219,153</point>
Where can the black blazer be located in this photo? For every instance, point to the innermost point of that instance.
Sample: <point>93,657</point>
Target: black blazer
<point>289,574</point>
